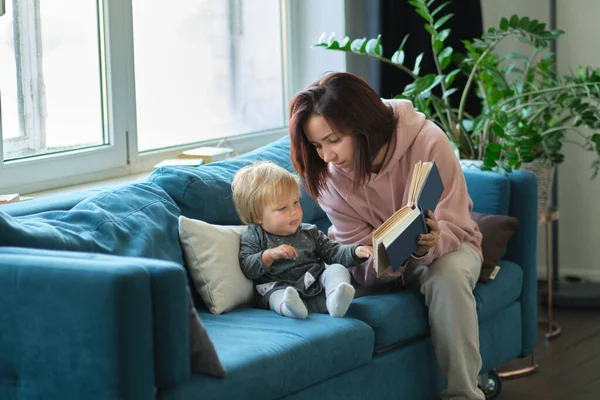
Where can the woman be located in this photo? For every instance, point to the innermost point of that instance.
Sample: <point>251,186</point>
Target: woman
<point>355,154</point>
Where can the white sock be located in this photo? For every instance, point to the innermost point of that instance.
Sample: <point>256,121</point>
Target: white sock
<point>339,299</point>
<point>288,303</point>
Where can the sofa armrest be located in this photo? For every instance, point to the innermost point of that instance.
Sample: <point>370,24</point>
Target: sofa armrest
<point>74,328</point>
<point>90,325</point>
<point>522,249</point>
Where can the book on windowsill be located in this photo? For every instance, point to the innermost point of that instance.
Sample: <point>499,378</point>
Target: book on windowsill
<point>13,198</point>
<point>171,162</point>
<point>396,239</point>
<point>208,154</point>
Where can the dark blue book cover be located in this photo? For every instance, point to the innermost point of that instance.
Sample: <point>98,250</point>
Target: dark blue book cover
<point>401,248</point>
<point>432,190</point>
<point>406,243</point>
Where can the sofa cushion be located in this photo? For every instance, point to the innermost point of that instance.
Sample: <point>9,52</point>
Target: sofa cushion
<point>402,315</point>
<point>211,254</point>
<point>495,295</point>
<point>268,356</point>
<point>204,192</point>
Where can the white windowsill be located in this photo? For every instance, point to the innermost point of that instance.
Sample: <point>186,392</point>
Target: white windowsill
<point>100,184</point>
<point>242,144</point>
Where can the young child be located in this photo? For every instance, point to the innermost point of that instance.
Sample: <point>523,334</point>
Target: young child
<point>284,257</point>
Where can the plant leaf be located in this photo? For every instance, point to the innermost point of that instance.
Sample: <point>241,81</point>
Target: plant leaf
<point>495,147</point>
<point>450,77</point>
<point>374,47</point>
<point>430,29</point>
<point>511,155</point>
<point>514,22</point>
<point>504,24</point>
<point>333,44</point>
<point>444,57</point>
<point>403,42</point>
<point>424,14</point>
<point>345,44</point>
<point>442,21</point>
<point>480,44</point>
<point>417,67</point>
<point>398,57</point>
<point>443,35</point>
<point>358,45</point>
<point>525,40</point>
<point>449,92</point>
<point>596,139</point>
<point>322,39</point>
<point>498,130</point>
<point>491,156</point>
<point>488,164</point>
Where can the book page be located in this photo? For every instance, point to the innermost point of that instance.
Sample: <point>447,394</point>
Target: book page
<point>401,226</point>
<point>380,233</point>
<point>381,263</point>
<point>385,234</point>
<point>413,184</point>
<point>424,173</point>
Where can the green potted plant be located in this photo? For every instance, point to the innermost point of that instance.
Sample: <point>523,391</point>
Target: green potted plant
<point>527,112</point>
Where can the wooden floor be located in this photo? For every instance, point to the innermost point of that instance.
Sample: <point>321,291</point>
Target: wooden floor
<point>569,365</point>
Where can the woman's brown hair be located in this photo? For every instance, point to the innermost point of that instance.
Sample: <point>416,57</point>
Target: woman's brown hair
<point>350,107</point>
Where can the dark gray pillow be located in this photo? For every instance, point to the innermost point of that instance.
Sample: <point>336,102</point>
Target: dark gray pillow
<point>203,356</point>
<point>496,231</point>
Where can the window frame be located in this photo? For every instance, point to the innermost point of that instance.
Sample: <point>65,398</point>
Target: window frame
<point>120,157</point>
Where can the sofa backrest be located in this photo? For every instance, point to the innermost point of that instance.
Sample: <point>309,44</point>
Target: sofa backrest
<point>205,192</point>
<point>490,191</point>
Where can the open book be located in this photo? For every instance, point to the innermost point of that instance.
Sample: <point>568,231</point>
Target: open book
<point>396,239</point>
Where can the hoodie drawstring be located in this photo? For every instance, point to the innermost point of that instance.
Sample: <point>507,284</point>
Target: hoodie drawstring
<point>392,192</point>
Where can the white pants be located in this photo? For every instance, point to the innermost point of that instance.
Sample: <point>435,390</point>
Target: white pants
<point>333,275</point>
<point>447,285</point>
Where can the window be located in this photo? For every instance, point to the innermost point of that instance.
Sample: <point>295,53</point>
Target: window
<point>94,89</point>
<point>213,69</point>
<point>50,77</point>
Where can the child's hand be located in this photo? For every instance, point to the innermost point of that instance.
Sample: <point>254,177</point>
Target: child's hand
<point>364,251</point>
<point>283,251</point>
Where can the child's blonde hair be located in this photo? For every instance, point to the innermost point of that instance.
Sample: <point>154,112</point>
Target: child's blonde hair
<point>260,184</point>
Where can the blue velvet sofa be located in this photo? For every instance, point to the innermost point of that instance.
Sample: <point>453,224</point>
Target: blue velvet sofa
<point>77,323</point>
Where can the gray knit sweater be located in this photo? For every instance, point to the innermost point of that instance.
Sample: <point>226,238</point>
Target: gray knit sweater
<point>314,249</point>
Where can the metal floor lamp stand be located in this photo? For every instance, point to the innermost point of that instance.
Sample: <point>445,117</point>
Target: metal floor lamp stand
<point>554,329</point>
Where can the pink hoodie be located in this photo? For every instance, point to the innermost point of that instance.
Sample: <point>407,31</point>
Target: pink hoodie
<point>356,214</point>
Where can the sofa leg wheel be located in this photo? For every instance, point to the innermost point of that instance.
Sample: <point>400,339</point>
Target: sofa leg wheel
<point>490,384</point>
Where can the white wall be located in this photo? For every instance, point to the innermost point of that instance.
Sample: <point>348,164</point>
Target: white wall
<point>314,17</point>
<point>579,225</point>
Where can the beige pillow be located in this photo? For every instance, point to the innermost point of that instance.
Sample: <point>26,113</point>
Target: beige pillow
<point>211,255</point>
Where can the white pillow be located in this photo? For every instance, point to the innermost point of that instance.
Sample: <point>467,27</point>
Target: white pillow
<point>211,255</point>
